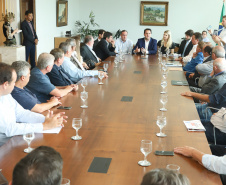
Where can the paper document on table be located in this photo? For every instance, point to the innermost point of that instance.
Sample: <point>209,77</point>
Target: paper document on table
<point>52,131</point>
<point>179,82</point>
<point>194,125</point>
<point>175,68</point>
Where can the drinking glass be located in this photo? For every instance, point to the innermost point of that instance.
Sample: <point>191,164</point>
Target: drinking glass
<point>65,181</point>
<point>28,138</point>
<point>116,62</point>
<point>161,122</point>
<point>101,76</point>
<point>173,167</point>
<point>145,148</point>
<point>105,68</point>
<point>164,85</point>
<point>163,100</point>
<point>76,124</point>
<point>84,96</point>
<point>84,84</point>
<point>164,69</point>
<point>167,52</point>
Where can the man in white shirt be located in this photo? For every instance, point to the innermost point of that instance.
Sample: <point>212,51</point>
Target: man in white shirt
<point>75,73</point>
<point>14,119</point>
<point>196,38</point>
<point>123,44</point>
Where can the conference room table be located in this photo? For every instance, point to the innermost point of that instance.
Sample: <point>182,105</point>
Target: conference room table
<point>112,128</point>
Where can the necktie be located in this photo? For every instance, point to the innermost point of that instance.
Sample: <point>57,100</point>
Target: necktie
<point>185,48</point>
<point>62,72</point>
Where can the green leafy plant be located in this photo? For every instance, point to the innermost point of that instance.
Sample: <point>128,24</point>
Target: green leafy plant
<point>83,28</point>
<point>117,34</point>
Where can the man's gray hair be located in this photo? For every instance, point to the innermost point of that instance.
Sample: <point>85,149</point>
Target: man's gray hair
<point>88,38</point>
<point>22,68</point>
<point>71,41</point>
<point>44,60</point>
<point>220,63</point>
<point>164,176</point>
<point>219,51</point>
<point>65,46</point>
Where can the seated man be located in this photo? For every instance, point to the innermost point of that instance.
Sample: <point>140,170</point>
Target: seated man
<point>216,100</point>
<point>193,78</point>
<point>42,166</point>
<point>100,36</point>
<point>106,47</point>
<point>198,59</point>
<point>123,44</point>
<point>146,45</point>
<point>87,50</point>
<point>196,38</point>
<point>186,45</point>
<point>216,79</point>
<point>164,177</point>
<point>23,96</point>
<point>211,162</point>
<point>15,120</point>
<point>39,82</point>
<point>75,73</point>
<point>57,75</point>
<point>74,58</point>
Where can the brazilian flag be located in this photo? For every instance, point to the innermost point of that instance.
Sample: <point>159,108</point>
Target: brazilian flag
<point>220,24</point>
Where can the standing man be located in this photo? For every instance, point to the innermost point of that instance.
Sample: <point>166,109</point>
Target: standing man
<point>123,44</point>
<point>30,37</point>
<point>100,36</point>
<point>146,45</point>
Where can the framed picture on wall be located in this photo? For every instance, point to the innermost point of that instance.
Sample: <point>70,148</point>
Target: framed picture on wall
<point>154,13</point>
<point>62,13</point>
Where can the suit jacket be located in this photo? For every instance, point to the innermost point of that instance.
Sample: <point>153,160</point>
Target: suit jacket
<point>152,47</point>
<point>187,50</point>
<point>27,33</point>
<point>95,43</point>
<point>103,51</point>
<point>87,54</point>
<point>213,84</point>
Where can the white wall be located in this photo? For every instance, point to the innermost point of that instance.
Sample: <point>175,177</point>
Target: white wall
<point>46,22</point>
<point>125,14</point>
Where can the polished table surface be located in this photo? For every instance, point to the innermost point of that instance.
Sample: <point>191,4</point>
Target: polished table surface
<point>114,129</point>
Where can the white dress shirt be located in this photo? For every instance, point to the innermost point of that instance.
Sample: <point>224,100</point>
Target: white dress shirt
<point>190,55</point>
<point>219,120</point>
<point>215,163</point>
<point>15,120</point>
<point>74,56</point>
<point>124,46</point>
<point>76,73</point>
<point>223,36</point>
<point>146,46</point>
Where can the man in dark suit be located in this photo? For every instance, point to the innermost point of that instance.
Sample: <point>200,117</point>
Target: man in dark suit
<point>87,50</point>
<point>100,36</point>
<point>30,37</point>
<point>105,47</point>
<point>146,45</point>
<point>186,45</point>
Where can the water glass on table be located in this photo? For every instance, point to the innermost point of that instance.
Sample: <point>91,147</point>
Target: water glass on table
<point>145,148</point>
<point>161,122</point>
<point>65,181</point>
<point>76,124</point>
<point>84,97</point>
<point>28,138</point>
<point>101,76</point>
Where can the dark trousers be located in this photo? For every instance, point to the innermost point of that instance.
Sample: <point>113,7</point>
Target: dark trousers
<point>30,51</point>
<point>210,130</point>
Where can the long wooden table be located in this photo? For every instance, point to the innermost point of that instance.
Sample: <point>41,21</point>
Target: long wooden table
<point>114,129</point>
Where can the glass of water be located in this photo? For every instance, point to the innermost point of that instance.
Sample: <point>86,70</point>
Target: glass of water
<point>173,167</point>
<point>101,76</point>
<point>84,97</point>
<point>105,68</point>
<point>161,122</point>
<point>28,138</point>
<point>116,62</point>
<point>84,84</point>
<point>164,85</point>
<point>163,100</point>
<point>76,124</point>
<point>145,148</point>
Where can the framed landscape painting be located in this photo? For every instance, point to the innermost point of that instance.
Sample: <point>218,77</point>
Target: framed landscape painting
<point>62,13</point>
<point>154,13</point>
